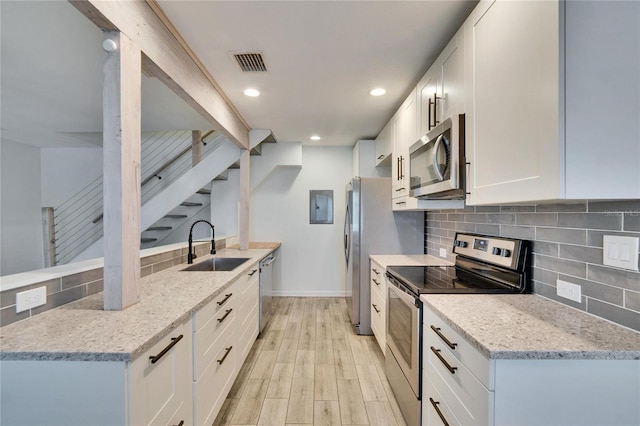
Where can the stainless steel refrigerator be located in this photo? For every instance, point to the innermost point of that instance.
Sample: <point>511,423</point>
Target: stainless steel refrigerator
<point>371,227</point>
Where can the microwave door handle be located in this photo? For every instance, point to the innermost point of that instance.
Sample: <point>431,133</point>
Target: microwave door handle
<point>436,167</point>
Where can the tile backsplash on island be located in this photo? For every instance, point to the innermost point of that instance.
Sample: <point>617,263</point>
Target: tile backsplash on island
<point>567,245</point>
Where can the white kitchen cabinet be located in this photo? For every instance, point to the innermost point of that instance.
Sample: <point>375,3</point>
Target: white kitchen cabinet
<point>384,146</point>
<point>441,92</point>
<point>224,331</point>
<point>142,392</point>
<point>464,387</point>
<point>378,304</point>
<point>546,109</point>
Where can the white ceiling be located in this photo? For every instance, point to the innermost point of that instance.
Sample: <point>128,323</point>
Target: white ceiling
<point>322,59</point>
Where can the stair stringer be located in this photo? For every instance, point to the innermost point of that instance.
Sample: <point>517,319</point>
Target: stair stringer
<point>181,189</point>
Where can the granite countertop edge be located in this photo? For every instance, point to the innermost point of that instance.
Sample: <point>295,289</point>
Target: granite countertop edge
<point>136,349</point>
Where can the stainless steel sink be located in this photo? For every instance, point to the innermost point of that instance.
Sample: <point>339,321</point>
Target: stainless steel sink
<point>217,264</point>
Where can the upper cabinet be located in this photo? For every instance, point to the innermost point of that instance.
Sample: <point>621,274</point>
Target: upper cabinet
<point>547,109</point>
<point>441,91</point>
<point>384,146</point>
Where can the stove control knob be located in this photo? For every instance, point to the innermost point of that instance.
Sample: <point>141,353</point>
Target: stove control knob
<point>461,244</point>
<point>505,253</point>
<point>496,251</point>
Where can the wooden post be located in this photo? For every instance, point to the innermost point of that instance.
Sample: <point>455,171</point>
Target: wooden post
<point>196,145</point>
<point>245,192</point>
<point>49,234</point>
<point>121,152</point>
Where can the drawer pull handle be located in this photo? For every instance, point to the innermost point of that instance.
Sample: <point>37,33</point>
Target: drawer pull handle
<point>380,156</point>
<point>401,202</point>
<point>224,317</point>
<point>181,423</point>
<point>375,281</point>
<point>376,271</point>
<point>226,297</point>
<point>174,341</point>
<point>253,272</point>
<point>220,361</point>
<point>435,406</point>
<point>451,369</point>
<point>375,307</point>
<point>442,336</point>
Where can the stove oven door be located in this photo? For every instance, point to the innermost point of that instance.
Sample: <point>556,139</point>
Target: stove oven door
<point>403,333</point>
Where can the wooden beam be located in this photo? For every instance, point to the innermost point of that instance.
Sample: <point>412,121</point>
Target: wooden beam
<point>169,59</point>
<point>196,147</point>
<point>245,192</point>
<point>122,68</point>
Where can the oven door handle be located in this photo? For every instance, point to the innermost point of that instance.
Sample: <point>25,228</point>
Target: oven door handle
<point>407,298</point>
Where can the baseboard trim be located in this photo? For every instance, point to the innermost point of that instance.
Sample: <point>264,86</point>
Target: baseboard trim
<point>312,293</point>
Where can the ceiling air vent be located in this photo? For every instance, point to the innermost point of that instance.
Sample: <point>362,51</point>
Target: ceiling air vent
<point>250,62</point>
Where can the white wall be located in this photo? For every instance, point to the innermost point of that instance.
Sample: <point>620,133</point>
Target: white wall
<point>225,196</point>
<point>21,235</point>
<point>311,256</point>
<point>65,171</point>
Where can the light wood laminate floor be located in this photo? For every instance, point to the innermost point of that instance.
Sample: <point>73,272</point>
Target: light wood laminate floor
<point>309,367</point>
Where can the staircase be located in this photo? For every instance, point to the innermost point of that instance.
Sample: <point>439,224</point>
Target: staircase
<point>174,194</point>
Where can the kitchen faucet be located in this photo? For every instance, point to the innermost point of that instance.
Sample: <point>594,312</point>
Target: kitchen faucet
<point>191,255</point>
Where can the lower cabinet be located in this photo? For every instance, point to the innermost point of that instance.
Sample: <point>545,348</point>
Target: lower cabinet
<point>183,379</point>
<point>461,386</point>
<point>378,304</point>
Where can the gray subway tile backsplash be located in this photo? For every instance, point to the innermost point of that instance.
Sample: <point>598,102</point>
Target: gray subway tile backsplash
<point>567,245</point>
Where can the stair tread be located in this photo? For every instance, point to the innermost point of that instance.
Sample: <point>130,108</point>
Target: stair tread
<point>176,216</point>
<point>190,204</point>
<point>204,191</point>
<point>159,228</point>
<point>148,240</point>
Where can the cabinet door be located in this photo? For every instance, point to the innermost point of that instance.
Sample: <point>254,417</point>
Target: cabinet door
<point>405,130</point>
<point>384,146</point>
<point>426,93</point>
<point>513,105</point>
<point>450,79</point>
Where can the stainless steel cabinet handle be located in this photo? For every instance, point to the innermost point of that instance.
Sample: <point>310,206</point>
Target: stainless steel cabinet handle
<point>174,341</point>
<point>221,360</point>
<point>436,98</point>
<point>224,317</point>
<point>375,307</point>
<point>435,406</point>
<point>451,369</point>
<point>443,337</point>
<point>223,301</point>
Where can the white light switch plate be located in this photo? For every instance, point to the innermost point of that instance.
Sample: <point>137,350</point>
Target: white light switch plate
<point>31,299</point>
<point>621,252</point>
<point>443,252</point>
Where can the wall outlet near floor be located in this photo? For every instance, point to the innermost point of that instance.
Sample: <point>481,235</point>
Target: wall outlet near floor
<point>569,291</point>
<point>31,299</point>
<point>620,251</point>
<point>443,252</point>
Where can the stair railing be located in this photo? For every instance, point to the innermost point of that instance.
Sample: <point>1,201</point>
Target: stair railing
<point>78,220</point>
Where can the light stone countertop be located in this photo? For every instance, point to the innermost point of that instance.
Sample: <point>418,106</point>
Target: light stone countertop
<point>532,327</point>
<point>385,260</point>
<point>83,331</point>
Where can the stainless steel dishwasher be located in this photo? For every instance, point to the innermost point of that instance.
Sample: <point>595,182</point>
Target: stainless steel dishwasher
<point>266,288</point>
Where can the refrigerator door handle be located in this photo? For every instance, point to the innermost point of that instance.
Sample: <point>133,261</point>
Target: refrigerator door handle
<point>347,222</point>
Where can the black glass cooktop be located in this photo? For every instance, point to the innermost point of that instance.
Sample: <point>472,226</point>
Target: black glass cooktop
<point>452,279</point>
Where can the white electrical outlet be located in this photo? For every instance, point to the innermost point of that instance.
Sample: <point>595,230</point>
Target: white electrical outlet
<point>31,299</point>
<point>443,252</point>
<point>569,291</point>
<point>620,251</point>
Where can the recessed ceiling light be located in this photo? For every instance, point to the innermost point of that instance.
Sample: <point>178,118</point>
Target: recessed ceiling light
<point>252,92</point>
<point>315,138</point>
<point>378,91</point>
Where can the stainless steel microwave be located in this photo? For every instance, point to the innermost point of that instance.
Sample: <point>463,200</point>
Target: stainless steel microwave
<point>437,162</point>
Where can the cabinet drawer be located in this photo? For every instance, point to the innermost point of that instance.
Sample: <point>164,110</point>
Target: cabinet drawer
<point>378,319</point>
<point>378,282</point>
<point>432,402</point>
<point>220,303</point>
<point>211,389</point>
<point>248,332</point>
<point>208,339</point>
<point>463,353</point>
<point>469,400</point>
